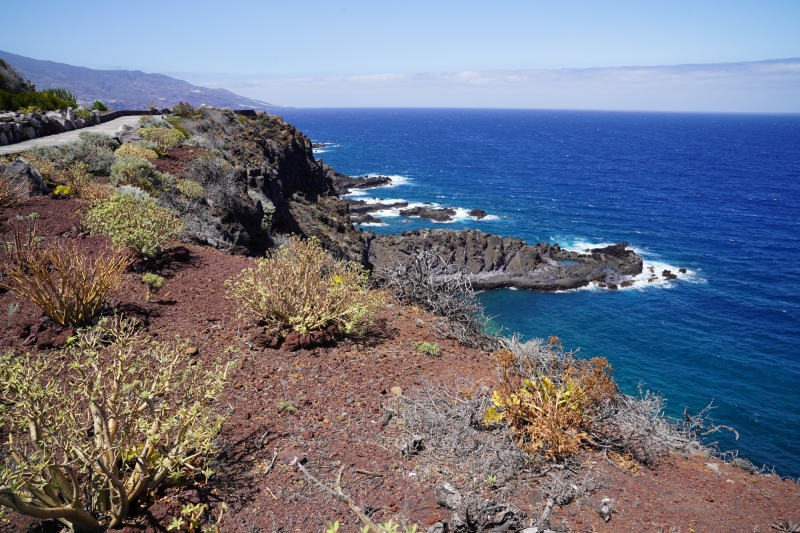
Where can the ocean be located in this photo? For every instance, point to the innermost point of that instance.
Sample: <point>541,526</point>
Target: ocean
<point>718,195</point>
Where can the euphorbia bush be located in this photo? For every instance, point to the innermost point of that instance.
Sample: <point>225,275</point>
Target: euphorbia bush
<point>148,411</point>
<point>71,287</point>
<point>135,222</point>
<point>301,287</point>
<point>166,139</point>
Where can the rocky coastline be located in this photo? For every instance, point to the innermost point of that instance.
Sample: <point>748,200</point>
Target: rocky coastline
<point>494,262</point>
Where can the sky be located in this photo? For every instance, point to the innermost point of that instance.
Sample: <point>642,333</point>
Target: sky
<point>576,54</point>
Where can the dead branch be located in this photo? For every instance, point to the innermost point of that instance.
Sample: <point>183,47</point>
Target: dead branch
<point>436,285</point>
<point>271,463</point>
<point>337,493</point>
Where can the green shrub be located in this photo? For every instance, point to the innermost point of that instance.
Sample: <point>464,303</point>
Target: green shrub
<point>154,282</point>
<point>94,149</point>
<point>149,416</point>
<point>190,189</point>
<point>431,349</point>
<point>301,287</point>
<point>100,140</point>
<point>166,139</point>
<point>135,150</point>
<point>150,121</point>
<point>99,106</point>
<point>130,221</point>
<point>64,94</point>
<point>84,114</point>
<point>44,101</point>
<point>30,109</point>
<point>137,172</point>
<point>184,131</point>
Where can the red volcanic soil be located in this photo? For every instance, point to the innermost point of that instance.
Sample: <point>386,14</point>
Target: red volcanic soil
<point>341,394</point>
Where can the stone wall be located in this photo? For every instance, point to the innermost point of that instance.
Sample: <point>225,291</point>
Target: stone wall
<point>18,127</point>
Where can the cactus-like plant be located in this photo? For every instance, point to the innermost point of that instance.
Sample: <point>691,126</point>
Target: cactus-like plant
<point>301,287</point>
<point>149,416</point>
<point>69,286</point>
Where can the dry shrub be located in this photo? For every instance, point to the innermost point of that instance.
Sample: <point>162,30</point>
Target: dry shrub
<point>98,424</point>
<point>301,287</point>
<point>424,280</point>
<point>11,193</point>
<point>74,178</point>
<point>448,418</point>
<point>49,169</point>
<point>552,413</point>
<point>69,286</point>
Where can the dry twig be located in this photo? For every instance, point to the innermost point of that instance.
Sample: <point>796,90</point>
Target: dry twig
<point>338,494</point>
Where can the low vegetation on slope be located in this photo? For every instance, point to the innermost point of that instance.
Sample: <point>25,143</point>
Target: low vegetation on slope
<point>102,420</point>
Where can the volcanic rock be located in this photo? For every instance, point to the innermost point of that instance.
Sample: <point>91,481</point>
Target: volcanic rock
<point>444,214</point>
<point>494,262</point>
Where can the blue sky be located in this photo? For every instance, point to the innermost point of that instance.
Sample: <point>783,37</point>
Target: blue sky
<point>484,54</point>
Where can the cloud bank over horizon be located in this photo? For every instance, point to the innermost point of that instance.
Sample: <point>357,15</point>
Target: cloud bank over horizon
<point>771,86</point>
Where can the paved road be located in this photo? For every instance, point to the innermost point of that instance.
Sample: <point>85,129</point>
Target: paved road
<point>67,137</point>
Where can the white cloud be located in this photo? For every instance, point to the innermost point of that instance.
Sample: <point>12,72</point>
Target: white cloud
<point>767,86</point>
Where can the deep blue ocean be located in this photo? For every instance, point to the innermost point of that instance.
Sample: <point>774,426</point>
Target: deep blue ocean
<point>718,195</point>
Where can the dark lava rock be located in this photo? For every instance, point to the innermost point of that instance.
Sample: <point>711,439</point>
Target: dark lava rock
<point>682,270</point>
<point>344,184</point>
<point>668,275</point>
<point>21,173</point>
<point>326,337</point>
<point>495,262</point>
<point>478,213</point>
<point>445,214</point>
<point>357,207</point>
<point>127,134</point>
<point>365,219</point>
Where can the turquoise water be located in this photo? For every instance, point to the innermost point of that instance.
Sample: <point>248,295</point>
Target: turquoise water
<point>718,195</point>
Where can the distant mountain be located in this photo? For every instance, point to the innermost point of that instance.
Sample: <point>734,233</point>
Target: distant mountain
<point>125,89</point>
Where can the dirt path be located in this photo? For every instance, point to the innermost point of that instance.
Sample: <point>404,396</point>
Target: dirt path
<point>67,137</point>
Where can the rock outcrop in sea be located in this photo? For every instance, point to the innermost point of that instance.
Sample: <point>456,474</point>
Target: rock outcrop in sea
<point>494,262</point>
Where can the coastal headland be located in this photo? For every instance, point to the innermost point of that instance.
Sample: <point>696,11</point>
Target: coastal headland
<point>394,421</point>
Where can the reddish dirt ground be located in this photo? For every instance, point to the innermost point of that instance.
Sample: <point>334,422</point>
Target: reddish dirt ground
<point>340,421</point>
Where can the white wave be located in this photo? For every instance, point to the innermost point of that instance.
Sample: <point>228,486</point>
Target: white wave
<point>593,287</point>
<point>375,224</point>
<point>396,180</point>
<point>652,268</point>
<point>580,246</point>
<point>378,200</point>
<point>395,211</point>
<point>320,151</point>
